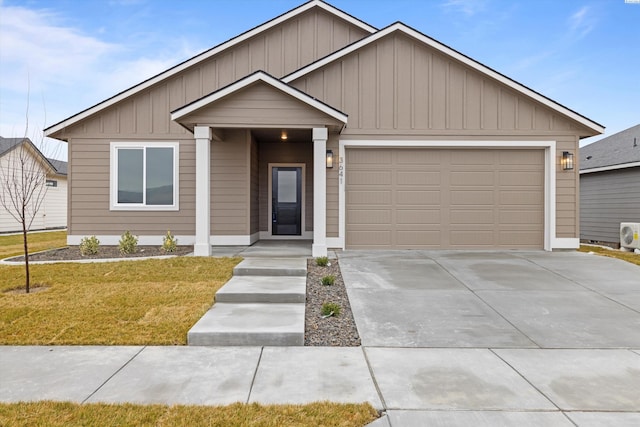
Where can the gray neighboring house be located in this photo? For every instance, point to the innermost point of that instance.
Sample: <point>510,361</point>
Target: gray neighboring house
<point>609,186</point>
<point>53,212</point>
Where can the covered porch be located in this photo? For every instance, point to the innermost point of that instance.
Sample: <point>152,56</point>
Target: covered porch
<point>261,162</point>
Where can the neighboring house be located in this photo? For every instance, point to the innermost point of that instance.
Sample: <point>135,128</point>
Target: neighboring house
<point>609,186</point>
<point>53,211</point>
<point>428,148</point>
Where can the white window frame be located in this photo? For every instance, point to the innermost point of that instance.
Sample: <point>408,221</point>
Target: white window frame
<point>114,147</point>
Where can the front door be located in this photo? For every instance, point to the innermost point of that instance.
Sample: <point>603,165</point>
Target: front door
<point>286,193</point>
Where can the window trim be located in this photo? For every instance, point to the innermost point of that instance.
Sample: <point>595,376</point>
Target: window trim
<point>113,178</point>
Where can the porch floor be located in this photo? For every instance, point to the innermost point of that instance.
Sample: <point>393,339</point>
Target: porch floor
<point>267,249</point>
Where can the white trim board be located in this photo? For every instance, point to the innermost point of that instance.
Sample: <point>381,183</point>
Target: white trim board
<point>400,27</point>
<point>206,55</point>
<point>610,168</point>
<point>549,177</point>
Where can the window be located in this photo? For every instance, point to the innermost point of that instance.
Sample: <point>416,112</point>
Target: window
<point>51,183</point>
<point>144,176</point>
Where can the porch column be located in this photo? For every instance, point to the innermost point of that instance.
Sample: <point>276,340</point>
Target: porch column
<point>319,247</point>
<point>202,245</point>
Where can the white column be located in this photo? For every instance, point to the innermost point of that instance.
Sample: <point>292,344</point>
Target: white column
<point>202,245</point>
<point>319,247</point>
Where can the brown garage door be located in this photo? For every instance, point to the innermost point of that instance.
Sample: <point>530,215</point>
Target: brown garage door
<point>444,199</point>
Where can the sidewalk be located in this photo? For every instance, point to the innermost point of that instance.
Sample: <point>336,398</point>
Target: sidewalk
<point>415,386</point>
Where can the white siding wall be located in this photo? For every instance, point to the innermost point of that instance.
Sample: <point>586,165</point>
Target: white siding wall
<point>53,212</point>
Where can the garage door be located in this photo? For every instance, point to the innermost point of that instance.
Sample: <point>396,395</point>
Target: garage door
<point>444,199</point>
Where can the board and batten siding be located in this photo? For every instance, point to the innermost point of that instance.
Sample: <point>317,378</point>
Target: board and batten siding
<point>89,203</point>
<point>421,94</point>
<point>278,51</point>
<point>607,199</point>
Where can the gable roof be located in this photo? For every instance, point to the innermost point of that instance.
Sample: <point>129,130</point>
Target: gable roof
<point>258,76</point>
<point>207,54</point>
<point>8,144</point>
<point>618,151</point>
<point>446,50</point>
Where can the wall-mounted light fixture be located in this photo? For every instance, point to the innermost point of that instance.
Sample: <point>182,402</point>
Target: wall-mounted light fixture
<point>283,135</point>
<point>567,161</point>
<point>329,159</point>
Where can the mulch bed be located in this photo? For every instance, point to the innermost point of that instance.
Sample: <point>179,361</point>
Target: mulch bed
<point>333,331</point>
<point>72,253</point>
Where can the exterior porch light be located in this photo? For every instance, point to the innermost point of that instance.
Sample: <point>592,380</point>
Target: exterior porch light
<point>283,135</point>
<point>567,161</point>
<point>329,159</point>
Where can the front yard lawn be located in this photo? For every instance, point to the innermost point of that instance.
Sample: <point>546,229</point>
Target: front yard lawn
<point>12,245</point>
<point>631,257</point>
<point>70,414</point>
<point>151,302</point>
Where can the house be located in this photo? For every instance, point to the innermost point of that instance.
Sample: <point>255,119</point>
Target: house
<point>316,125</point>
<point>53,211</point>
<point>609,186</point>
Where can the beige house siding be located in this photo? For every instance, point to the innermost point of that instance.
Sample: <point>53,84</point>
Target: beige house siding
<point>54,207</point>
<point>259,105</point>
<point>278,51</point>
<point>89,195</point>
<point>230,184</point>
<point>254,199</point>
<point>285,152</point>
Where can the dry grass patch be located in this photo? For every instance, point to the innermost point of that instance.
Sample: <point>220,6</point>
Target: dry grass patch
<point>631,257</point>
<point>151,302</point>
<point>70,414</point>
<point>13,245</point>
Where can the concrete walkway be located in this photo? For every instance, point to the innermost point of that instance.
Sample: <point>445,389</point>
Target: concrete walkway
<point>449,338</point>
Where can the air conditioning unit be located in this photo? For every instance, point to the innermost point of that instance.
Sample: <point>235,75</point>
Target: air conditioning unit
<point>629,235</point>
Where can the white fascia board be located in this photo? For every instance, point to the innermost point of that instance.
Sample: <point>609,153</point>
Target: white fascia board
<point>610,168</point>
<point>449,52</point>
<point>206,55</point>
<point>253,78</point>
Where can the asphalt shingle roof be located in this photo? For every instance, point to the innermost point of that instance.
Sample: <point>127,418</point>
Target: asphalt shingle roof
<point>616,149</point>
<point>7,144</point>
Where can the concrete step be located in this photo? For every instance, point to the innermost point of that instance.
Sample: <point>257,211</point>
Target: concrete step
<point>227,324</point>
<point>271,267</point>
<point>263,289</point>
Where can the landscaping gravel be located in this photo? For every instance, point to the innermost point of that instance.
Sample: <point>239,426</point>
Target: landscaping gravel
<point>336,331</point>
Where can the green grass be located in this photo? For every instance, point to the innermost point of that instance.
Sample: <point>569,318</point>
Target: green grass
<point>613,253</point>
<point>53,414</point>
<point>150,302</point>
<point>12,245</point>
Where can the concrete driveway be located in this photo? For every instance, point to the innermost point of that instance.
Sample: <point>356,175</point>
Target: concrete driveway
<point>453,299</point>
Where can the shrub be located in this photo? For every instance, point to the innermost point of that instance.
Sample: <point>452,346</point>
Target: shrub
<point>128,243</point>
<point>89,245</point>
<point>322,261</point>
<point>169,242</point>
<point>330,309</point>
<point>328,280</point>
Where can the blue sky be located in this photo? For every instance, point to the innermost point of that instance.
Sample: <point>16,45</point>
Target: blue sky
<point>67,55</point>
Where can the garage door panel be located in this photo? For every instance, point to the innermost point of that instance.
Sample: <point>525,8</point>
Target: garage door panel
<point>418,217</point>
<point>369,197</point>
<point>472,178</point>
<point>370,216</point>
<point>472,197</point>
<point>418,238</point>
<point>421,178</point>
<point>472,216</point>
<point>444,198</point>
<point>416,197</point>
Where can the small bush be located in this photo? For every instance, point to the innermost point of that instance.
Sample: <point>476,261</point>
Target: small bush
<point>89,245</point>
<point>328,280</point>
<point>322,261</point>
<point>169,242</point>
<point>128,243</point>
<point>330,309</point>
